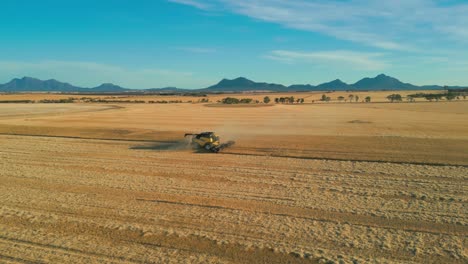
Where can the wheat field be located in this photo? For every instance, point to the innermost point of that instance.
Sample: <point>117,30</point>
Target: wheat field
<point>312,183</point>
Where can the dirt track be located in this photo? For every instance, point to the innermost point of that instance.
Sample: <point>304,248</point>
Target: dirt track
<point>92,201</point>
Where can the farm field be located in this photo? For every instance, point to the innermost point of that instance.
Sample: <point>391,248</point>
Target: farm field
<point>376,96</point>
<point>311,183</point>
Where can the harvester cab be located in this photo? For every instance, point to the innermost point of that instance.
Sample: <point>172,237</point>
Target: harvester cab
<point>209,141</point>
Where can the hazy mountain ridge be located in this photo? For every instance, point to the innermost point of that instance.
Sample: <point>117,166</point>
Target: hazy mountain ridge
<point>335,85</point>
<point>28,84</point>
<point>108,87</point>
<point>383,81</point>
<point>380,82</point>
<point>32,85</point>
<point>244,84</point>
<point>241,84</point>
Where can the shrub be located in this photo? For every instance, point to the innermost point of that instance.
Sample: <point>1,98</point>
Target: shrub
<point>57,101</point>
<point>17,101</point>
<point>394,97</point>
<point>245,101</point>
<point>230,100</point>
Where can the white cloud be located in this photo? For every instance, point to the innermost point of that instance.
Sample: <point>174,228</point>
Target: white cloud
<point>358,60</point>
<point>390,25</point>
<point>90,74</point>
<point>197,4</point>
<point>455,31</point>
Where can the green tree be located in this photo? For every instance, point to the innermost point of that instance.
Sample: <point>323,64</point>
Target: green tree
<point>431,97</point>
<point>394,97</point>
<point>291,99</point>
<point>276,100</point>
<point>266,100</point>
<point>450,97</point>
<point>230,100</point>
<point>351,97</point>
<point>368,99</point>
<point>302,100</point>
<point>324,98</point>
<point>356,98</point>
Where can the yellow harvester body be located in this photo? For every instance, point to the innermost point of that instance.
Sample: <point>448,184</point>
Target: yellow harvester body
<point>209,141</point>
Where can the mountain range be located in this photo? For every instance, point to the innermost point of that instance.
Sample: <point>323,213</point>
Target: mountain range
<point>241,84</point>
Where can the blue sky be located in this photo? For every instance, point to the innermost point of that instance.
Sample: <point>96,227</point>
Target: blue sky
<point>195,43</point>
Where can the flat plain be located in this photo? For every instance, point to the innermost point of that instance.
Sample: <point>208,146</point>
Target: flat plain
<point>310,183</point>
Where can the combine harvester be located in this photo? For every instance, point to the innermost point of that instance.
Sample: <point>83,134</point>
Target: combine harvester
<point>209,141</point>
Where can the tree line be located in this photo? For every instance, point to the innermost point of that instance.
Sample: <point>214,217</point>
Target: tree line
<point>289,100</point>
<point>351,98</point>
<point>266,100</point>
<point>449,95</point>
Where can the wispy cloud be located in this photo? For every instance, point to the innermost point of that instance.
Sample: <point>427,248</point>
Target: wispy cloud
<point>198,4</point>
<point>90,74</point>
<point>359,60</point>
<point>389,25</point>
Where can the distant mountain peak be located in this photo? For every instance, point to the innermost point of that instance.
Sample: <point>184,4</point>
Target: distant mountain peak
<point>29,84</point>
<point>108,87</point>
<point>334,85</point>
<point>25,79</point>
<point>337,81</point>
<point>236,81</point>
<point>383,81</point>
<point>241,79</point>
<point>244,84</point>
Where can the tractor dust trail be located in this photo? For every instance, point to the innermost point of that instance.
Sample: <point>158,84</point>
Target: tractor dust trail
<point>233,130</point>
<point>183,144</point>
<point>180,145</point>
